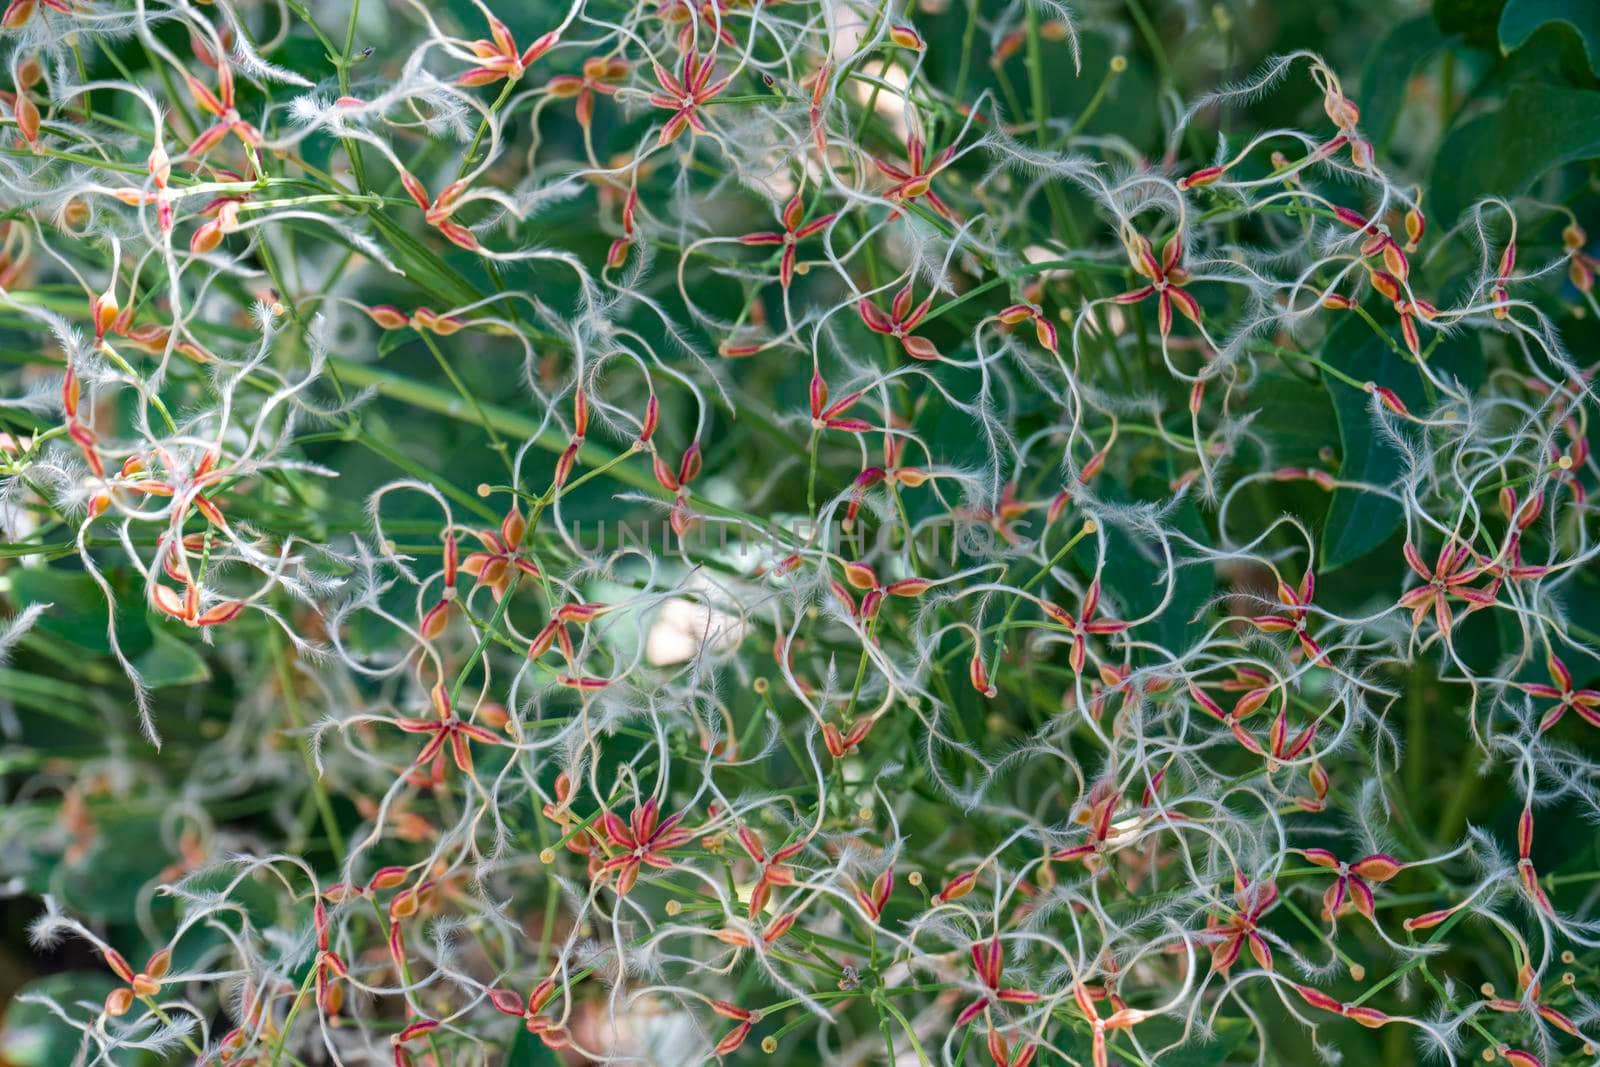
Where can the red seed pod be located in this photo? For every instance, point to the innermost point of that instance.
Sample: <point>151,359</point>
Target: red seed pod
<point>957,887</point>
<point>1044,331</point>
<point>833,740</point>
<point>459,235</point>
<point>27,116</point>
<point>906,37</point>
<point>404,905</point>
<point>778,927</point>
<point>206,238</point>
<point>435,620</point>
<point>1581,273</point>
<point>416,1029</point>
<point>1371,1018</point>
<point>1388,398</point>
<point>544,639</point>
<point>663,473</point>
<point>71,391</point>
<point>1501,300</point>
<point>911,477</point>
<point>818,397</point>
<point>1318,999</point>
<point>568,457</point>
<point>1202,177</point>
<point>978,674</point>
<point>1353,219</point>
<point>652,419</point>
<point>1508,260</point>
<point>506,1001</point>
<point>118,964</point>
<point>689,468</point>
<point>387,316</point>
<point>581,614</point>
<point>732,1040</point>
<point>119,1001</point>
<point>103,310</point>
<point>580,413</point>
<point>226,611</point>
<point>1395,262</point>
<point>909,587</point>
<point>1415,223</point>
<point>17,14</point>
<point>860,575</point>
<point>618,253</point>
<point>1428,920</point>
<point>1377,867</point>
<point>1532,508</point>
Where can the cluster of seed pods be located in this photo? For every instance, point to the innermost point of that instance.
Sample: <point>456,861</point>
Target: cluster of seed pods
<point>1039,715</point>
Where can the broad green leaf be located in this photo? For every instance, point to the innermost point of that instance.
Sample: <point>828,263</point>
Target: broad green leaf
<point>1473,19</point>
<point>1358,522</point>
<point>78,612</point>
<point>528,1051</point>
<point>1294,418</point>
<point>1539,128</point>
<point>1226,1038</point>
<point>171,661</point>
<point>1389,70</point>
<point>1581,604</point>
<point>1137,580</point>
<point>128,852</point>
<point>30,1036</point>
<point>1521,19</point>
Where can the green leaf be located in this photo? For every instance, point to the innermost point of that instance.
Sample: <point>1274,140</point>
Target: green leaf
<point>30,1036</point>
<point>170,661</point>
<point>1137,581</point>
<point>1388,70</point>
<point>1581,612</point>
<point>1358,522</point>
<point>1521,19</point>
<point>1227,1036</point>
<point>78,612</point>
<point>1541,127</point>
<point>1293,417</point>
<point>528,1051</point>
<point>1473,19</point>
